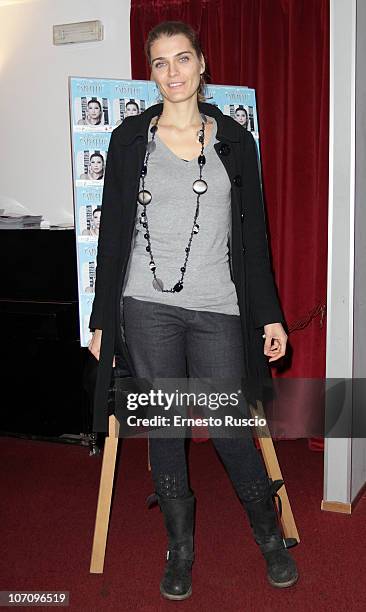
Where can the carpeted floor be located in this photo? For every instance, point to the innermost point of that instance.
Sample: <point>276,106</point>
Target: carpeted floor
<point>48,503</point>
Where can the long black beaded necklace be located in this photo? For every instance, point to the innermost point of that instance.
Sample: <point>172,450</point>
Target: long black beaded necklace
<point>144,198</point>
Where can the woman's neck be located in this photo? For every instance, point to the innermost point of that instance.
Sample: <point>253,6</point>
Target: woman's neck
<point>181,115</point>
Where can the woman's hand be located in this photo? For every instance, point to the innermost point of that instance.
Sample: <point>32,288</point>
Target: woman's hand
<point>275,332</point>
<point>94,345</point>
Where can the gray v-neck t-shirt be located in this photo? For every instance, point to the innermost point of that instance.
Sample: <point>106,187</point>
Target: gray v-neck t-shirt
<point>207,283</point>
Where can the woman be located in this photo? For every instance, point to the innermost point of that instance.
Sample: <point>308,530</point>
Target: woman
<point>94,114</point>
<point>94,223</point>
<point>132,108</point>
<point>186,299</point>
<point>241,116</point>
<point>95,168</point>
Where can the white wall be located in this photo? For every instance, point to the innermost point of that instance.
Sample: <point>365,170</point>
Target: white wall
<point>345,458</point>
<point>35,136</point>
<point>359,353</point>
<point>339,360</point>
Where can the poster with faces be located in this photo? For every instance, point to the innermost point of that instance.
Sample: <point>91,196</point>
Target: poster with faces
<point>97,107</point>
<point>89,208</point>
<point>90,108</point>
<point>86,263</point>
<point>90,154</point>
<point>128,98</point>
<point>238,103</point>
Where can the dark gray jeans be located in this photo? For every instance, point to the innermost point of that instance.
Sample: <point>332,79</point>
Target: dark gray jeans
<point>172,342</point>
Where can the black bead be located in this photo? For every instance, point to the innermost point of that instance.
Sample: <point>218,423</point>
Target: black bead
<point>148,248</point>
<point>237,180</point>
<point>144,225</point>
<point>143,214</point>
<point>178,287</point>
<point>224,149</point>
<point>182,269</point>
<point>146,236</point>
<point>153,129</point>
<point>187,249</point>
<point>201,160</point>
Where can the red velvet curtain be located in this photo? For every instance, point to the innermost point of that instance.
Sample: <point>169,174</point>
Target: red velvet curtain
<point>281,48</point>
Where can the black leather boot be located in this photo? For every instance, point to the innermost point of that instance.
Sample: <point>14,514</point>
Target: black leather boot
<point>179,522</point>
<point>281,568</point>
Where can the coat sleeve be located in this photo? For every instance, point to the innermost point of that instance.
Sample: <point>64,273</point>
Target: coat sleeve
<point>109,233</point>
<point>263,300</point>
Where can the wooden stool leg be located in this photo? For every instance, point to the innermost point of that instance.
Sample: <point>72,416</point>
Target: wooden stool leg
<point>104,497</point>
<point>274,472</point>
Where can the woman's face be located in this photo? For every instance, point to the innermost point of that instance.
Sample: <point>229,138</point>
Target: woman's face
<point>175,67</point>
<point>96,219</point>
<point>241,116</point>
<point>131,109</point>
<point>93,110</point>
<point>96,164</point>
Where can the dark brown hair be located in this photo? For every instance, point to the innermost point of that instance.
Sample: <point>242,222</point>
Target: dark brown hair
<point>171,28</point>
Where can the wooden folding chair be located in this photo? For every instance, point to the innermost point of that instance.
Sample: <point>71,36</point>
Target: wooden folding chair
<point>107,478</point>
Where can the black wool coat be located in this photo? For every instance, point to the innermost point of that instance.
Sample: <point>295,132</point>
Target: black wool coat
<point>250,262</point>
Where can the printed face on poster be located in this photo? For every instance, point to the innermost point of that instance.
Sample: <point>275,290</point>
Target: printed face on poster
<point>97,107</point>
